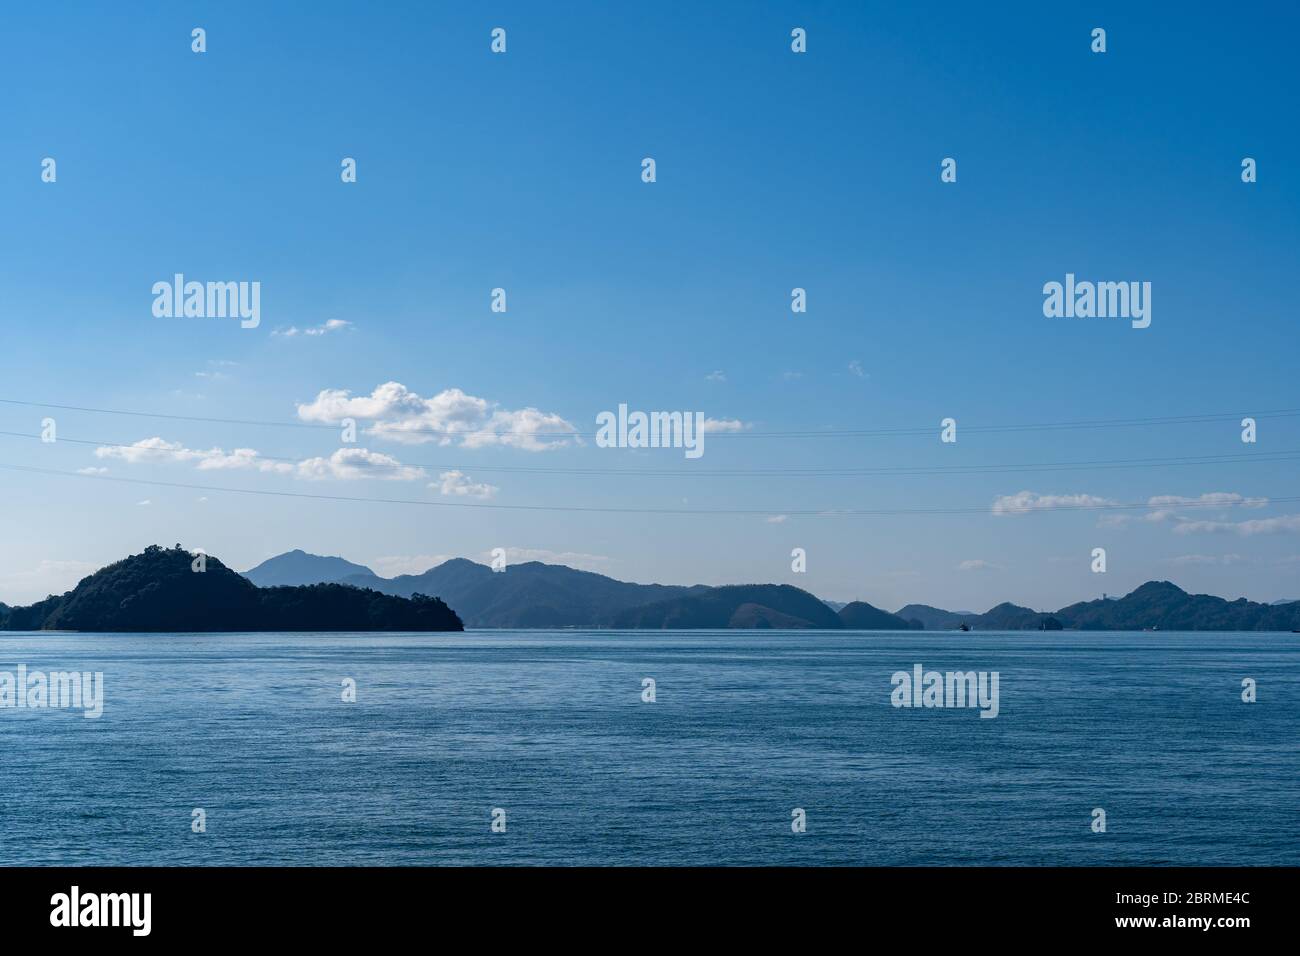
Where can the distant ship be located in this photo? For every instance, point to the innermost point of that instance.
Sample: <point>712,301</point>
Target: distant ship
<point>963,627</point>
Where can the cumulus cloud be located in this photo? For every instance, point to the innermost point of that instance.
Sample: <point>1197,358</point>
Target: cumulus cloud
<point>458,484</point>
<point>450,417</point>
<point>325,328</point>
<point>345,463</point>
<point>1026,501</point>
<point>349,463</point>
<point>157,449</point>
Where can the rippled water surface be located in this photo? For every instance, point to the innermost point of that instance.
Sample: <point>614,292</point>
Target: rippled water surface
<point>550,726</point>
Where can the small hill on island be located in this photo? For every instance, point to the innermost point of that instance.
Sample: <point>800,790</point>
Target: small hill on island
<point>861,616</point>
<point>735,605</point>
<point>172,590</point>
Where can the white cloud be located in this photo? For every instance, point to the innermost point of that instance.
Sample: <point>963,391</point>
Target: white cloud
<point>332,325</point>
<point>92,471</point>
<point>1166,508</point>
<point>1283,524</point>
<point>458,484</point>
<point>48,577</point>
<point>714,425</point>
<point>390,566</point>
<point>157,449</point>
<point>778,519</point>
<point>574,559</point>
<point>978,564</point>
<point>343,464</point>
<point>1026,501</point>
<point>451,416</point>
<point>1213,499</point>
<point>349,463</point>
<point>856,368</point>
<point>717,375</point>
<point>1184,560</point>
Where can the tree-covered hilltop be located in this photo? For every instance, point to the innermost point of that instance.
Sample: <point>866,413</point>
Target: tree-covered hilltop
<point>1165,606</point>
<point>861,616</point>
<point>734,605</point>
<point>163,589</point>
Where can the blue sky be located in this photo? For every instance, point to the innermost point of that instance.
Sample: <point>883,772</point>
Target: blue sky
<point>774,170</point>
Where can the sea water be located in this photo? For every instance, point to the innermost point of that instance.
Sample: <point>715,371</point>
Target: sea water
<point>242,749</point>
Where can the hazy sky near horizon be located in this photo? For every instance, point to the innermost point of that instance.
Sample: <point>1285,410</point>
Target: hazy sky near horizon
<point>774,170</point>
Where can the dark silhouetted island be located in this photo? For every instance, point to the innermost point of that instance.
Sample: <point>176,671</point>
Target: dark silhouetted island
<point>172,590</point>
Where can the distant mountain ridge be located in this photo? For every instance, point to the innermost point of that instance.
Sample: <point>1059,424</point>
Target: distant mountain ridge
<point>295,568</point>
<point>536,595</point>
<point>529,594</point>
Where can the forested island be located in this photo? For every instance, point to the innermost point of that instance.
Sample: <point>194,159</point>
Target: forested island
<point>172,590</point>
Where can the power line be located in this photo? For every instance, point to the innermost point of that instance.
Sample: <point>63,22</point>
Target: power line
<point>903,471</point>
<point>927,430</point>
<point>795,513</point>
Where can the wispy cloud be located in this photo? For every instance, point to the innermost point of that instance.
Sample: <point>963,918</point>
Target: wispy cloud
<point>1170,509</point>
<point>715,425</point>
<point>1283,524</point>
<point>157,449</point>
<point>47,577</point>
<point>1213,499</point>
<point>979,564</point>
<point>344,463</point>
<point>325,328</point>
<point>390,566</point>
<point>574,559</point>
<point>1024,502</point>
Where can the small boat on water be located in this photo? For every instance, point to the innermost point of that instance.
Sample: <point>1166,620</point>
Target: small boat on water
<point>963,626</point>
